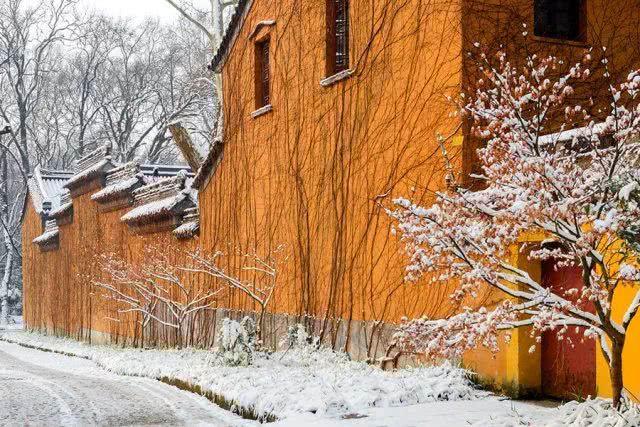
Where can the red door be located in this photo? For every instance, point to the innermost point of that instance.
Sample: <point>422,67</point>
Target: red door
<point>568,366</point>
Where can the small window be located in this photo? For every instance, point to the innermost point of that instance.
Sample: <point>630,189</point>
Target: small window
<point>263,97</point>
<point>559,19</point>
<point>337,36</point>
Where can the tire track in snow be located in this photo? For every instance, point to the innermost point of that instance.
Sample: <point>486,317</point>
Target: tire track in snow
<point>49,389</point>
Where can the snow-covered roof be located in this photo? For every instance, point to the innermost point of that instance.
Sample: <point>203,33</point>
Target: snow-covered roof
<point>190,224</point>
<point>117,189</point>
<point>92,172</point>
<point>162,199</point>
<point>187,230</point>
<point>209,165</point>
<point>65,207</point>
<point>158,192</point>
<point>237,20</point>
<point>128,177</point>
<point>155,209</point>
<point>120,182</point>
<point>157,172</point>
<point>49,238</point>
<point>61,210</point>
<point>47,186</point>
<point>94,165</point>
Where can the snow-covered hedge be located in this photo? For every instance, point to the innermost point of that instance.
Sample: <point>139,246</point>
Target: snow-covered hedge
<point>281,384</point>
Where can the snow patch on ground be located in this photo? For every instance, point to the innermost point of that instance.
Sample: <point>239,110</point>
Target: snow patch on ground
<point>15,324</point>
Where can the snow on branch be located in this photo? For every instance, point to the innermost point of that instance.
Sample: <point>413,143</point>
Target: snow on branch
<point>256,277</point>
<point>578,187</point>
<point>155,291</point>
<point>167,292</point>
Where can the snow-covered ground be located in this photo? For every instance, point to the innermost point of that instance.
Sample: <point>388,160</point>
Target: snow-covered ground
<point>47,389</point>
<point>302,387</point>
<point>15,324</point>
<point>283,384</point>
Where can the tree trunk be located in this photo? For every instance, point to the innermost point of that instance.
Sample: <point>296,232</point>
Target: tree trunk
<point>4,287</point>
<point>217,23</point>
<point>8,246</point>
<point>615,372</point>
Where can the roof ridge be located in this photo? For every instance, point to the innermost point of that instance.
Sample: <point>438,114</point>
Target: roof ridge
<point>55,171</point>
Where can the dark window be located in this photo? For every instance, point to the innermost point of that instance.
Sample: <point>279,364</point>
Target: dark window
<point>337,36</point>
<point>559,19</point>
<point>262,74</point>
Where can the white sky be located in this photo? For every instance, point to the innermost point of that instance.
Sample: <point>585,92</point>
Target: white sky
<point>139,8</point>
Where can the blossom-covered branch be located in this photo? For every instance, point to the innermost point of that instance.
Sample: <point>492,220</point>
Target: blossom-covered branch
<point>550,169</point>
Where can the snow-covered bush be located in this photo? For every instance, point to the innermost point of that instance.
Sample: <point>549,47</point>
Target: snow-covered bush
<point>597,412</point>
<point>251,331</point>
<point>297,336</point>
<point>237,342</point>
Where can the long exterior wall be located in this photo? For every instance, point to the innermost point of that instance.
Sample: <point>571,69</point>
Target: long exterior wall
<point>316,173</point>
<point>308,182</point>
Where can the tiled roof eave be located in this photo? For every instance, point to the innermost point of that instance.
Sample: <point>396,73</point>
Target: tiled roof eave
<point>61,211</point>
<point>117,191</point>
<point>209,166</point>
<point>165,209</point>
<point>89,174</point>
<point>230,36</point>
<point>47,238</point>
<point>187,230</point>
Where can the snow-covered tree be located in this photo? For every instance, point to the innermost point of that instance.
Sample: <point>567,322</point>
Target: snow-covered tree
<point>212,23</point>
<point>579,188</point>
<point>257,277</point>
<point>156,291</point>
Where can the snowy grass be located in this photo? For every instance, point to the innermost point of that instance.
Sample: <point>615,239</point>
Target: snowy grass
<point>279,385</point>
<point>597,412</point>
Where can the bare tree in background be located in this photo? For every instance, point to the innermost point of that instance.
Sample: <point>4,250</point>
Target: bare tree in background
<point>30,37</point>
<point>218,15</point>
<point>9,225</point>
<point>80,76</point>
<point>219,9</point>
<point>147,86</point>
<point>72,79</point>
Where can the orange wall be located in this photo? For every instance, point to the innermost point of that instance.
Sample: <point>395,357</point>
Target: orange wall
<point>317,173</point>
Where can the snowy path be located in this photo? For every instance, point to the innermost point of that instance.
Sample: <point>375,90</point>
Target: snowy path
<point>40,388</point>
